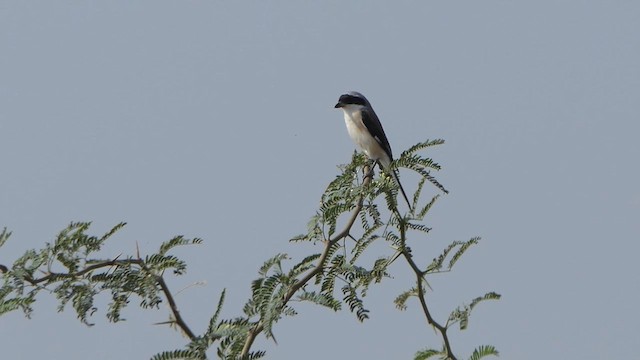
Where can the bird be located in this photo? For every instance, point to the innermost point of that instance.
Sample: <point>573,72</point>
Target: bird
<point>366,131</point>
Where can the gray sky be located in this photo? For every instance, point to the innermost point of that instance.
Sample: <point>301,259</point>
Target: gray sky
<point>216,120</point>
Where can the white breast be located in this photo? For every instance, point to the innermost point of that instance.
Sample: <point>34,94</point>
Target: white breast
<point>361,136</point>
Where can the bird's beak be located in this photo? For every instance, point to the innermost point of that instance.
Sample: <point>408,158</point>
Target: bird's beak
<point>338,105</point>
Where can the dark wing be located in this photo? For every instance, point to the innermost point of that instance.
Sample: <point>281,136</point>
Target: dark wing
<point>371,121</point>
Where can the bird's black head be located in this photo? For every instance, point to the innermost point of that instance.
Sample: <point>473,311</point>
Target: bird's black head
<point>352,98</point>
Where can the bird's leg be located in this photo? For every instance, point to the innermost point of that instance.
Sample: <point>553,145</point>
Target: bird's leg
<point>372,170</point>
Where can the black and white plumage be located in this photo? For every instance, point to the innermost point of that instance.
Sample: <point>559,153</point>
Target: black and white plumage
<point>366,131</point>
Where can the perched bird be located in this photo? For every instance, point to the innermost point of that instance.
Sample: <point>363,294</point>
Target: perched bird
<point>366,131</point>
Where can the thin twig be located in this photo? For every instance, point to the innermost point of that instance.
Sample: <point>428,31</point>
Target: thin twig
<point>174,308</point>
<point>86,270</point>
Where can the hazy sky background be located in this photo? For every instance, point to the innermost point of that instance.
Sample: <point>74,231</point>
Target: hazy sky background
<point>215,119</point>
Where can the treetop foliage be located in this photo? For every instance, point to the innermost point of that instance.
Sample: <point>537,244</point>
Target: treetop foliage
<point>356,211</point>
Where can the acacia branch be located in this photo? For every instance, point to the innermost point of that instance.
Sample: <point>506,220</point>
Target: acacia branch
<point>421,296</point>
<point>179,321</point>
<point>88,269</point>
<point>259,326</point>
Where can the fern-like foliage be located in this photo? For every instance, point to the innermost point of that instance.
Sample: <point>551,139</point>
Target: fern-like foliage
<point>483,351</point>
<point>356,304</point>
<point>428,354</point>
<point>461,314</point>
<point>320,299</point>
<point>460,247</point>
<point>421,146</point>
<point>401,300</point>
<point>70,269</point>
<point>358,209</point>
<point>233,334</point>
<point>179,355</point>
<point>177,241</point>
<point>4,236</point>
<point>410,160</point>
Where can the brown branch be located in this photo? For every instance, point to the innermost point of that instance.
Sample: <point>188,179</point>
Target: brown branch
<point>421,296</point>
<point>253,333</point>
<point>174,308</point>
<point>86,270</point>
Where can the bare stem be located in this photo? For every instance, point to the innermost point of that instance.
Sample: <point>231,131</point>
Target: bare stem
<point>174,309</point>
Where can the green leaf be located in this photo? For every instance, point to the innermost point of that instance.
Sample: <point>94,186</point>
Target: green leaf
<point>438,262</point>
<point>4,236</point>
<point>401,300</point>
<point>160,263</point>
<point>321,299</point>
<point>214,319</point>
<point>426,354</point>
<point>271,263</point>
<point>15,303</point>
<point>177,241</point>
<point>421,145</point>
<point>422,212</point>
<point>488,296</point>
<point>482,351</point>
<point>306,264</point>
<point>461,250</point>
<point>113,230</point>
<point>179,355</point>
<point>462,313</point>
<point>355,303</point>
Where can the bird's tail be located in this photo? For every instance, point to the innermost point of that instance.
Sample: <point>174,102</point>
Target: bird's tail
<point>385,165</point>
<point>397,179</point>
